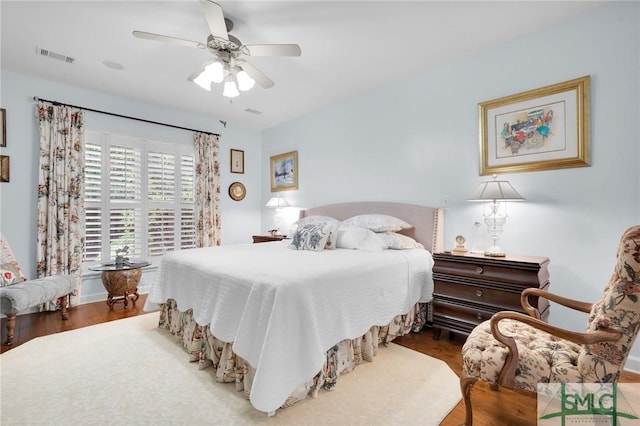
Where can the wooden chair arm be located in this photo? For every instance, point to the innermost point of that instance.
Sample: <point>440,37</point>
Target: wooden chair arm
<point>565,301</point>
<point>507,375</point>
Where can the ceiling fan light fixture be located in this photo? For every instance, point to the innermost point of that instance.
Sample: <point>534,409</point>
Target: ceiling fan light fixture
<point>212,73</point>
<point>203,80</point>
<point>230,88</point>
<point>215,71</point>
<point>245,82</point>
<point>227,50</point>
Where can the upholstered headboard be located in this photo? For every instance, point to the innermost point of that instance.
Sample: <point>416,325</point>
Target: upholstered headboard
<point>427,221</point>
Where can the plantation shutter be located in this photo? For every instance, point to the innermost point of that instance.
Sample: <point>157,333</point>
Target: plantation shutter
<point>187,197</point>
<point>139,194</point>
<point>92,196</point>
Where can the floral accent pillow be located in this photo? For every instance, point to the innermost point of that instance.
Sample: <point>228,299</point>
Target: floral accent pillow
<point>319,220</point>
<point>397,241</point>
<point>10,274</point>
<point>315,237</point>
<point>377,223</point>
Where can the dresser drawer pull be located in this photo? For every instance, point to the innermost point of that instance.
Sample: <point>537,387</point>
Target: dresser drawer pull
<point>479,293</point>
<point>479,315</point>
<point>479,270</point>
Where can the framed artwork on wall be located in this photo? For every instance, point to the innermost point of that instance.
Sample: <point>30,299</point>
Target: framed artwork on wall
<point>237,191</point>
<point>4,168</point>
<point>284,171</point>
<point>3,124</point>
<point>237,161</point>
<point>541,129</point>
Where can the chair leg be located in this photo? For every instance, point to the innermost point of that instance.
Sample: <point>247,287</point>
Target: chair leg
<point>63,303</point>
<point>11,325</point>
<point>466,383</point>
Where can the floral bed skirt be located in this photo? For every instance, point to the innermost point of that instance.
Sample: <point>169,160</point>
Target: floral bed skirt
<point>342,358</point>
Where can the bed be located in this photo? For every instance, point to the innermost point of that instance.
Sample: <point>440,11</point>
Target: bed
<point>281,323</point>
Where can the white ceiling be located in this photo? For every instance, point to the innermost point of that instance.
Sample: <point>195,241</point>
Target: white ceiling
<point>348,47</point>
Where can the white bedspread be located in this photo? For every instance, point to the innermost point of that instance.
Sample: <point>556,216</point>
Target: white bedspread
<point>284,308</point>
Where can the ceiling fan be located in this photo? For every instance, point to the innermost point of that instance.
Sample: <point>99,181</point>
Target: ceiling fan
<point>228,65</point>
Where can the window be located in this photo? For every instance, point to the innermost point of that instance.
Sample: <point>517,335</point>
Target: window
<point>138,193</point>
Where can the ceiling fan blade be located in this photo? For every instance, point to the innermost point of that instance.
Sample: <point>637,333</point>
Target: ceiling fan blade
<point>257,75</point>
<point>273,49</point>
<point>173,40</point>
<point>215,19</point>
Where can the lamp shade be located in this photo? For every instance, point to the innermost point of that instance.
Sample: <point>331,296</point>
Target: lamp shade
<point>495,190</point>
<point>211,72</point>
<point>277,202</point>
<point>230,88</point>
<point>245,82</point>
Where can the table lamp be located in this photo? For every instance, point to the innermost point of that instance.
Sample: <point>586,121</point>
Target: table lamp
<point>495,192</point>
<point>277,203</point>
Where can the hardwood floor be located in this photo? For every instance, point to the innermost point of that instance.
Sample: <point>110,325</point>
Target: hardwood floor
<point>502,407</point>
<point>30,326</point>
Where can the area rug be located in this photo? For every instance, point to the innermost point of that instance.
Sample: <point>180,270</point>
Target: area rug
<point>130,372</point>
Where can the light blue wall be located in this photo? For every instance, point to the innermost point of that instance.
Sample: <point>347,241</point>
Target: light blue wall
<point>18,197</point>
<point>417,141</point>
<point>413,141</point>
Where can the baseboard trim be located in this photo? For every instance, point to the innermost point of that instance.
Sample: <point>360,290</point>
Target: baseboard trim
<point>102,296</point>
<point>633,364</point>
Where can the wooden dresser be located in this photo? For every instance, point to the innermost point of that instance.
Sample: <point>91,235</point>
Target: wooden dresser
<point>469,288</point>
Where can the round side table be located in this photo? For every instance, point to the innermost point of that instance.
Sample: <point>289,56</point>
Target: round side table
<point>121,281</point>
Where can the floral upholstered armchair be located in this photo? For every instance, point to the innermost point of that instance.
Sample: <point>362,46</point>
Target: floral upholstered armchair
<point>519,351</point>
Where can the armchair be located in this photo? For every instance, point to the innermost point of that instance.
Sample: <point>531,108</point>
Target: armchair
<point>19,294</point>
<point>519,351</point>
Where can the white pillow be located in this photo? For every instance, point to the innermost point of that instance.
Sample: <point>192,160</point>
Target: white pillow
<point>359,239</point>
<point>376,223</point>
<point>396,241</point>
<point>332,239</point>
<point>315,237</point>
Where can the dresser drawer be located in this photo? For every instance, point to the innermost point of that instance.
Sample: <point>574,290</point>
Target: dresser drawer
<point>461,317</point>
<point>498,299</point>
<point>516,273</point>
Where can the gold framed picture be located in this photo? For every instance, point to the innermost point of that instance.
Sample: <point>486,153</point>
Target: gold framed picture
<point>4,168</point>
<point>541,129</point>
<point>3,125</point>
<point>284,171</point>
<point>237,161</point>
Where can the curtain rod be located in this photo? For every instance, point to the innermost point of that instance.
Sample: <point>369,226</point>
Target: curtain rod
<point>35,98</point>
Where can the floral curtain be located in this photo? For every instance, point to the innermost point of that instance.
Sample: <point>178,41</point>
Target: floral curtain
<point>61,214</point>
<point>207,169</point>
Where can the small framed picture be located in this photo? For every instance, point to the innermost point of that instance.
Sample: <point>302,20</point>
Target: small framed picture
<point>237,161</point>
<point>3,127</point>
<point>284,171</point>
<point>4,168</point>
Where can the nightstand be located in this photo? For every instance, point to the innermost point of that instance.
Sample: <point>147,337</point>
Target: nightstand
<point>267,238</point>
<point>469,289</point>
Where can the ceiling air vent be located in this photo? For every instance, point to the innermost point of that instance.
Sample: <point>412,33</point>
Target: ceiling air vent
<point>54,55</point>
<point>253,111</point>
